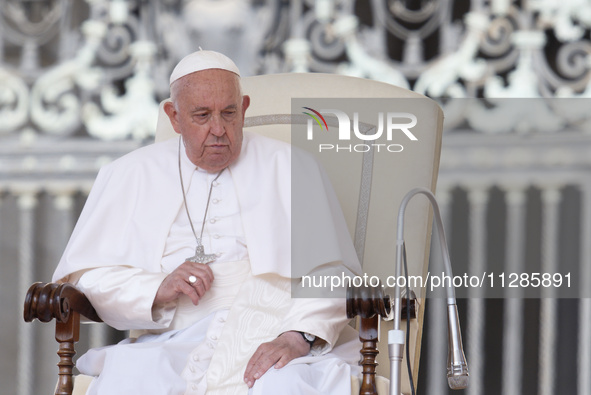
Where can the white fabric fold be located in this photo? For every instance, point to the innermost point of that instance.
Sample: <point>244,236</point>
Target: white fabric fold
<point>123,297</point>
<point>137,357</point>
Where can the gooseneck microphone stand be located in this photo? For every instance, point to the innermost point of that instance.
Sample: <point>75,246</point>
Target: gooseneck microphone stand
<point>457,368</point>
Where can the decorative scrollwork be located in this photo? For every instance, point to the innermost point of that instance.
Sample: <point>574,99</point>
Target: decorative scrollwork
<point>55,107</point>
<point>14,97</point>
<point>439,48</point>
<point>21,28</point>
<point>324,43</point>
<point>55,102</point>
<point>572,60</point>
<point>497,41</point>
<point>114,50</point>
<point>134,113</point>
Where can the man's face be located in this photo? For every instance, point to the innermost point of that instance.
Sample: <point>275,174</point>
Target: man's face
<point>208,111</point>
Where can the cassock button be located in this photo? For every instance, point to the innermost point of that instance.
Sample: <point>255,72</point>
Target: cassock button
<point>192,369</point>
<point>216,183</point>
<point>214,201</point>
<point>194,387</point>
<point>212,220</point>
<point>216,236</point>
<point>195,358</point>
<point>213,337</point>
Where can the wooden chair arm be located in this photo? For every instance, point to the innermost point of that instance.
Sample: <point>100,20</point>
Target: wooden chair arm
<point>65,303</point>
<point>370,304</point>
<point>46,301</point>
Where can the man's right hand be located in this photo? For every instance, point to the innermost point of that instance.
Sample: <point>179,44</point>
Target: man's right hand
<point>177,283</point>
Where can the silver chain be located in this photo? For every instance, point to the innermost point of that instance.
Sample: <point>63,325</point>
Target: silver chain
<point>198,239</point>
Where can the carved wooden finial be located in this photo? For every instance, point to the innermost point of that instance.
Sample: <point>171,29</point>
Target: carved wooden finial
<point>369,303</point>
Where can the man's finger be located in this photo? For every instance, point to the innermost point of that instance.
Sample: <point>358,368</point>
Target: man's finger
<point>278,352</point>
<point>265,357</point>
<point>284,360</point>
<point>251,366</point>
<point>199,288</point>
<point>190,291</point>
<point>202,271</point>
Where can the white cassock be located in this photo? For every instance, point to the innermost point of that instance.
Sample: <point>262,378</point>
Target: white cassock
<point>134,231</point>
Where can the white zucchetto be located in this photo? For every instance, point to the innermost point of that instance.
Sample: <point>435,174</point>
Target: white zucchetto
<point>202,60</point>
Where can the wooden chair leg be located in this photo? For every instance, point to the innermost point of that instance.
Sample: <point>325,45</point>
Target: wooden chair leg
<point>67,333</point>
<point>368,334</point>
<point>65,303</point>
<point>370,304</point>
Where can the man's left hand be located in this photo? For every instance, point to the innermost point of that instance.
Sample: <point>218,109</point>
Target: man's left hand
<point>279,352</point>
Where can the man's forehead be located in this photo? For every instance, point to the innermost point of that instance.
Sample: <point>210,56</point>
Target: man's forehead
<point>208,83</point>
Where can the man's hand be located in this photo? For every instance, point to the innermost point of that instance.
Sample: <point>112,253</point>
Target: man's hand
<point>177,283</point>
<point>279,352</point>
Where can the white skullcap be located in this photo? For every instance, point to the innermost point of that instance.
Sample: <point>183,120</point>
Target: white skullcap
<point>202,60</point>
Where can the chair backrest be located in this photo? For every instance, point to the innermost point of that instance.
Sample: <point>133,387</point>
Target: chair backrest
<point>370,207</point>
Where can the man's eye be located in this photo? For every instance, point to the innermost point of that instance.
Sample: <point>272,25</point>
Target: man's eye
<point>229,114</point>
<point>200,116</point>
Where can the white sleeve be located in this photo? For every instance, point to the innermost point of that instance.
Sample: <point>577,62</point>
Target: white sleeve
<point>322,317</point>
<point>123,297</point>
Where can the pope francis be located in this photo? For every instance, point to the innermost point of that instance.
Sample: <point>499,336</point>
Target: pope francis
<point>189,244</point>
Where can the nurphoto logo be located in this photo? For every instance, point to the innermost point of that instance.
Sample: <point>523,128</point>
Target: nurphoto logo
<point>392,123</point>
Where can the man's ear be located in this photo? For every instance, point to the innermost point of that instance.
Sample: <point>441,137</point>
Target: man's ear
<point>245,104</point>
<point>170,110</point>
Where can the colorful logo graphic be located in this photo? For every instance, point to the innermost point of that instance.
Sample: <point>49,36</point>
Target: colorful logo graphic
<point>316,117</point>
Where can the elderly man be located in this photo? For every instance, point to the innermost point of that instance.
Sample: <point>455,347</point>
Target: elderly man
<point>188,242</point>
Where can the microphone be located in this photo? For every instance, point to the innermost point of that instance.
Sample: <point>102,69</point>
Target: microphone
<point>457,367</point>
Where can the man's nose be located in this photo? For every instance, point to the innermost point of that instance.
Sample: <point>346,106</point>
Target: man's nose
<point>216,126</point>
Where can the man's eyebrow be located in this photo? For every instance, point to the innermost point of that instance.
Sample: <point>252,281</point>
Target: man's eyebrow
<point>205,108</point>
<point>199,109</point>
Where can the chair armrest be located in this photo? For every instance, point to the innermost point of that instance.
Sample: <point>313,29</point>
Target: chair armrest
<point>65,303</point>
<point>46,301</point>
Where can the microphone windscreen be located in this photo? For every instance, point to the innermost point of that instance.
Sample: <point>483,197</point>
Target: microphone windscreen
<point>458,382</point>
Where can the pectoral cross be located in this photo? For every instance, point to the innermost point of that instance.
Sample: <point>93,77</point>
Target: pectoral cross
<point>201,256</point>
